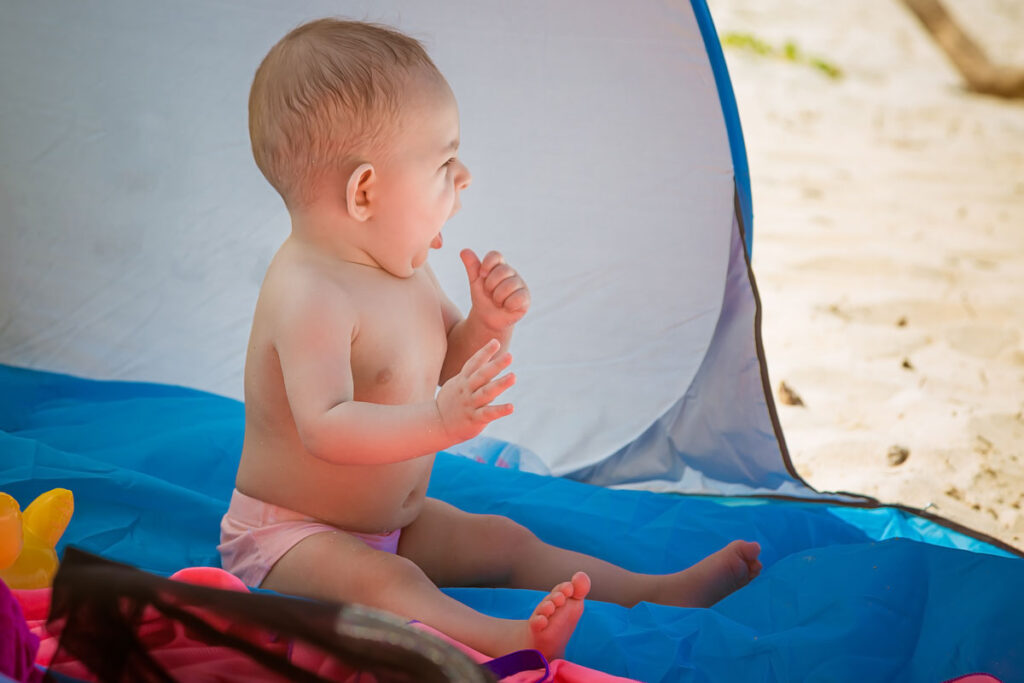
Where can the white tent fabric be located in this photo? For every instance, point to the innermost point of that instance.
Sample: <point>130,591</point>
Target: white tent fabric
<point>136,227</point>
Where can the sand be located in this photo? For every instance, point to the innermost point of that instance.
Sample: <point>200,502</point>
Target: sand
<point>889,252</point>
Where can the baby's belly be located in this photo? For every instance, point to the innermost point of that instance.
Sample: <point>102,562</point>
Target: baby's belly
<point>363,498</point>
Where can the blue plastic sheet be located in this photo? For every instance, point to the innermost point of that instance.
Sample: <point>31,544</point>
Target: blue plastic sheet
<point>843,597</point>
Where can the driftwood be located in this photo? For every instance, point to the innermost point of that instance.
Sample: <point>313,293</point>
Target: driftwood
<point>981,75</point>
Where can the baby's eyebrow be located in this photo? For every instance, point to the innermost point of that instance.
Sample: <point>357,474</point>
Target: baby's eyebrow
<point>453,145</point>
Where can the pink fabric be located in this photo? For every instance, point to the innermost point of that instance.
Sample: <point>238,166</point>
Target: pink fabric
<point>175,650</point>
<point>172,646</point>
<point>254,535</point>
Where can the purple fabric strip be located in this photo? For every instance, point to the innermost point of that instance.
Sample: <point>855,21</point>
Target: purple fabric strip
<point>518,661</point>
<point>18,645</point>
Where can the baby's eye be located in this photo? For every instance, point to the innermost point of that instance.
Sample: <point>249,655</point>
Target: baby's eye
<point>450,162</point>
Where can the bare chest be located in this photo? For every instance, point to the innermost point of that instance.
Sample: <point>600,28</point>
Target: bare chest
<point>400,343</point>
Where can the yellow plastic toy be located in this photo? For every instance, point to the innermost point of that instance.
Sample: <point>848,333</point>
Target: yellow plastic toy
<point>28,558</point>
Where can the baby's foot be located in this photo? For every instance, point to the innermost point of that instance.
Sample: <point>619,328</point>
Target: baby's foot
<point>714,577</point>
<point>556,616</point>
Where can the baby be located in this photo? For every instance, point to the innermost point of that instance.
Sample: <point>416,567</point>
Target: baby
<point>357,130</point>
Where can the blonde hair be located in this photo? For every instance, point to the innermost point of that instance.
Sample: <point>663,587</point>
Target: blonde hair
<point>323,96</point>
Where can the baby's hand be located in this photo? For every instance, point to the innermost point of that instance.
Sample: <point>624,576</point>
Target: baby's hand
<point>464,400</point>
<point>500,297</point>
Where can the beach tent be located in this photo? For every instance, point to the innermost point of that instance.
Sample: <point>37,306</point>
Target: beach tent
<point>609,167</point>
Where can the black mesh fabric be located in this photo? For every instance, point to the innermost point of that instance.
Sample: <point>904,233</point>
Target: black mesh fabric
<point>114,619</point>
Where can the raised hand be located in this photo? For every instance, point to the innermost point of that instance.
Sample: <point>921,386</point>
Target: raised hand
<point>500,297</point>
<point>464,401</point>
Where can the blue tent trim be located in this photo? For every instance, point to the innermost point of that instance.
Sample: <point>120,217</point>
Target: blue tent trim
<point>732,118</point>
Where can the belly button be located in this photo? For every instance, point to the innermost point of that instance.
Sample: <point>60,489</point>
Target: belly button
<point>384,376</point>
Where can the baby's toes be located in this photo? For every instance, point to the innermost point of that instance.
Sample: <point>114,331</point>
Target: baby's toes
<point>538,622</point>
<point>755,568</point>
<point>558,598</point>
<point>580,585</point>
<point>546,608</point>
<point>749,550</point>
<point>749,553</point>
<point>564,589</point>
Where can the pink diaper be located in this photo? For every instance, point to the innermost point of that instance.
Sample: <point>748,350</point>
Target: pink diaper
<point>254,535</point>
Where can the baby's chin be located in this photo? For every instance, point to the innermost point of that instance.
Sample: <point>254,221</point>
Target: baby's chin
<point>403,265</point>
<point>406,269</point>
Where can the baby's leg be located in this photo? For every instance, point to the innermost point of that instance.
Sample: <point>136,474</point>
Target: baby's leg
<point>338,567</point>
<point>456,548</point>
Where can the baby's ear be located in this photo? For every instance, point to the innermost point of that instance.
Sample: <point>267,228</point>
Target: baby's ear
<point>357,200</point>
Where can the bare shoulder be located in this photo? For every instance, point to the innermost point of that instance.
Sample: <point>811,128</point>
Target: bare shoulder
<point>299,290</point>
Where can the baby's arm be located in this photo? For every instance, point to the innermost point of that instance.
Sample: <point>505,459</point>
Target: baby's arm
<point>500,299</point>
<point>314,351</point>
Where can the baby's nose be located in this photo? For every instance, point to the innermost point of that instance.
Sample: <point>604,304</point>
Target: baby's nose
<point>464,179</point>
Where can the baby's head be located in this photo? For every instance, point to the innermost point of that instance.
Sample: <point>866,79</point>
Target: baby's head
<point>328,95</point>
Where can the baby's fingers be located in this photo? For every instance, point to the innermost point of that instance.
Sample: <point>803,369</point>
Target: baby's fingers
<point>491,259</point>
<point>492,390</point>
<point>504,291</point>
<point>500,274</point>
<point>472,263</point>
<point>489,371</point>
<point>480,358</point>
<point>491,413</point>
<point>518,300</point>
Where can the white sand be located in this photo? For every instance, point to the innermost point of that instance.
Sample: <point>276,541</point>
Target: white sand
<point>889,251</point>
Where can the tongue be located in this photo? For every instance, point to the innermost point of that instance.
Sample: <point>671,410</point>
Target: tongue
<point>436,242</point>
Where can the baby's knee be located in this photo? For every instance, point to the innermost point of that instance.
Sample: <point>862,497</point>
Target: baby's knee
<point>510,536</point>
<point>382,574</point>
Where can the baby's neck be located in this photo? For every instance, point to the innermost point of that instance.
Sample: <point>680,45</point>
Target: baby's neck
<point>330,237</point>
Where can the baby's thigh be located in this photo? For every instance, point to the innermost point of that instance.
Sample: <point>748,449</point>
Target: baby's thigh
<point>333,565</point>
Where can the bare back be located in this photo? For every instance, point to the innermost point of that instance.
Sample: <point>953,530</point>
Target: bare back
<point>396,348</point>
